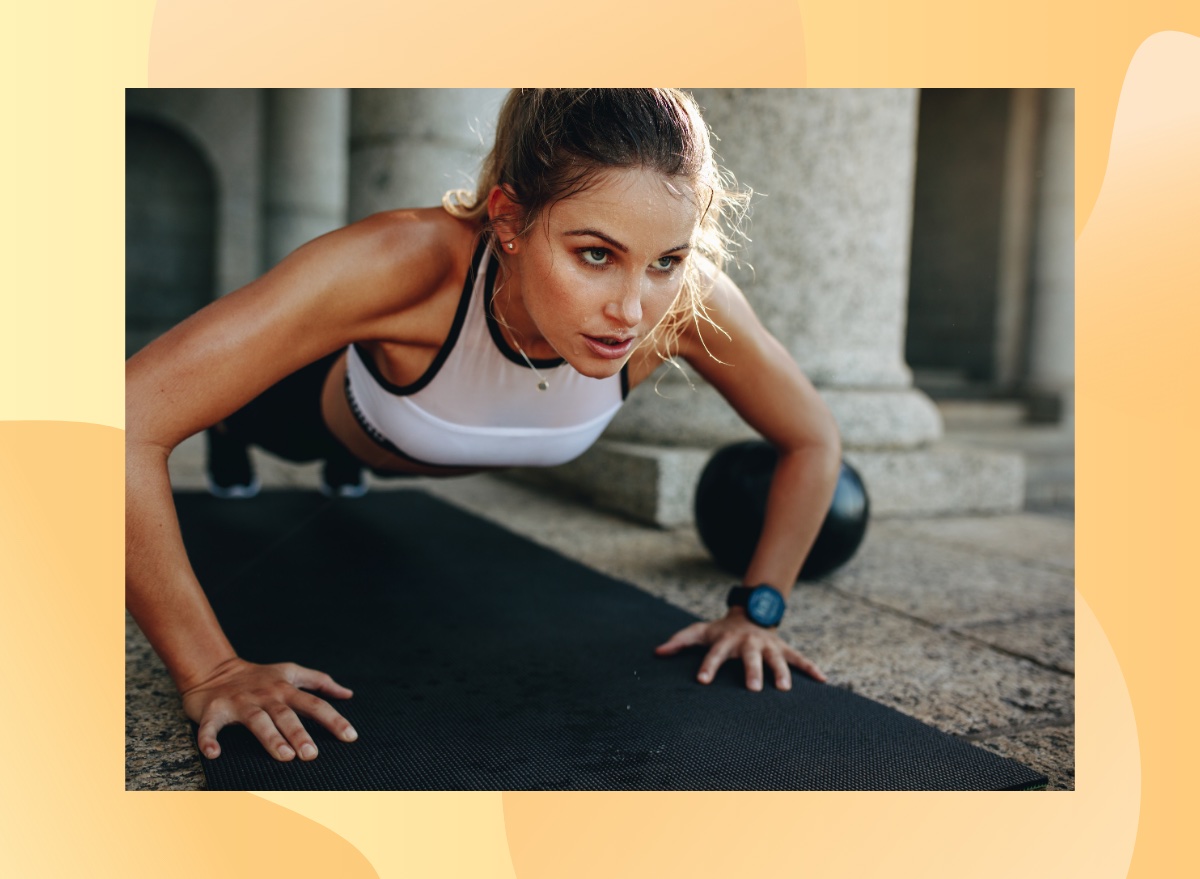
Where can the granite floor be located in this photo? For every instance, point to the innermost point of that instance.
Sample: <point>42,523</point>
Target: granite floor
<point>965,623</point>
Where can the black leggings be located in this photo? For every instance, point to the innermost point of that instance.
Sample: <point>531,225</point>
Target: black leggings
<point>286,419</point>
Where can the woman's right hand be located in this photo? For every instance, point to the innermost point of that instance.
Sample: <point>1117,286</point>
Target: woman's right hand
<point>266,700</point>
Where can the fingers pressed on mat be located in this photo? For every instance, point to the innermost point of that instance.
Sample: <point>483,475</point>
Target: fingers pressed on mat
<point>325,714</point>
<point>289,724</point>
<point>800,661</point>
<point>779,666</point>
<point>714,660</point>
<point>752,659</point>
<point>206,739</point>
<point>311,679</point>
<point>689,637</point>
<point>264,729</point>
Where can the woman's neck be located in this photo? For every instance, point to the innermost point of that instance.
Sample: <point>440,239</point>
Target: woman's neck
<point>508,307</point>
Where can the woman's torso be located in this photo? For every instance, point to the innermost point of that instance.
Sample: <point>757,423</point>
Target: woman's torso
<point>407,345</point>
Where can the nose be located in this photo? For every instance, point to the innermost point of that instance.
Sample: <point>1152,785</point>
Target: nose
<point>625,307</point>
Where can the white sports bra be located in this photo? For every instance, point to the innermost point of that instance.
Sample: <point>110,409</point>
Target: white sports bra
<point>478,404</point>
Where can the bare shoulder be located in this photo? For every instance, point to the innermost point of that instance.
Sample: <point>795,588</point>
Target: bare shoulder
<point>390,261</point>
<point>727,320</point>
<point>426,242</point>
<point>735,353</point>
<point>351,284</point>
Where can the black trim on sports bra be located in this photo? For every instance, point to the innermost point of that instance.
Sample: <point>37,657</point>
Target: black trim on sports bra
<point>460,317</point>
<point>498,337</point>
<point>381,440</point>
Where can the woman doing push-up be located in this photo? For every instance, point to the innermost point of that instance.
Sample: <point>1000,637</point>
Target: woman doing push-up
<point>502,328</point>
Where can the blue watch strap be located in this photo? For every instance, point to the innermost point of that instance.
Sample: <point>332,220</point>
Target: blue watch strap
<point>764,604</point>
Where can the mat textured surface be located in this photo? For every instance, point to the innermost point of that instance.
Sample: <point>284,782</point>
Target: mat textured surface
<point>481,661</point>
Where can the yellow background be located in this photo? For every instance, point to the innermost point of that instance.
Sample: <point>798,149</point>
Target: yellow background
<point>63,811</point>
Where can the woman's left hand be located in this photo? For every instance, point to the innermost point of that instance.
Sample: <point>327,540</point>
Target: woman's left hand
<point>735,636</point>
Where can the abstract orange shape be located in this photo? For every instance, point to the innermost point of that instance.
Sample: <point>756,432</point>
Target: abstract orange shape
<point>64,810</point>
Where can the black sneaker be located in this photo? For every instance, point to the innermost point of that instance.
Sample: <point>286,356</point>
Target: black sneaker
<point>229,471</point>
<point>343,477</point>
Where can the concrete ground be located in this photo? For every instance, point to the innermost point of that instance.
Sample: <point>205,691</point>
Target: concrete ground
<point>966,623</point>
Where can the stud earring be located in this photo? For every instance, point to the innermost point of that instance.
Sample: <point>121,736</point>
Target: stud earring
<point>511,245</point>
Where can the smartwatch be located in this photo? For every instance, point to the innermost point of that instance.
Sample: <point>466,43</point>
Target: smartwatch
<point>764,605</point>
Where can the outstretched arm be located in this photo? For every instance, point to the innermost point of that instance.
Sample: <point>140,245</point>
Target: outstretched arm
<point>342,287</point>
<point>765,386</point>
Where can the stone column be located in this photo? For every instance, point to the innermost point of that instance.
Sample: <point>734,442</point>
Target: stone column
<point>830,252</point>
<point>409,146</point>
<point>226,124</point>
<point>827,266</point>
<point>1051,376</point>
<point>307,136</point>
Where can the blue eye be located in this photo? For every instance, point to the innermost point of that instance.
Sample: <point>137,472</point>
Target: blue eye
<point>666,263</point>
<point>595,256</point>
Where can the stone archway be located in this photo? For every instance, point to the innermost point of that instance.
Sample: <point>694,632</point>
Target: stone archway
<point>170,230</point>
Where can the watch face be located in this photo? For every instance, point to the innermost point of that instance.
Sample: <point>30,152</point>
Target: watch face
<point>765,606</point>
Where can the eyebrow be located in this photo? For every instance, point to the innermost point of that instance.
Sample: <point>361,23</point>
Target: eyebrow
<point>596,233</point>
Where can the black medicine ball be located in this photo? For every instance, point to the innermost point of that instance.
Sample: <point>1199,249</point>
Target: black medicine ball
<point>731,503</point>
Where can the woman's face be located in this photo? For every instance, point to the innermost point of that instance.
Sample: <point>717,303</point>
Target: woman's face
<point>598,271</point>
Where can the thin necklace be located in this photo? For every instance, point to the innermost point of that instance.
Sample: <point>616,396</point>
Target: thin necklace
<point>543,385</point>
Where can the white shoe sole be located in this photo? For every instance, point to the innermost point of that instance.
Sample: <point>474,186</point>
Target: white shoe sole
<point>234,492</point>
<point>344,490</point>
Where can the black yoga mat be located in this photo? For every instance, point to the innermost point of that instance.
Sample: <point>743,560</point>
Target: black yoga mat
<point>481,661</point>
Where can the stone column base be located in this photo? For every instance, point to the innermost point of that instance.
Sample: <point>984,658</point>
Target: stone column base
<point>867,417</point>
<point>941,480</point>
<point>656,485</point>
<point>649,483</point>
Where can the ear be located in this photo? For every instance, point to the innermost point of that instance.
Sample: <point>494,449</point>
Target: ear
<point>505,215</point>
